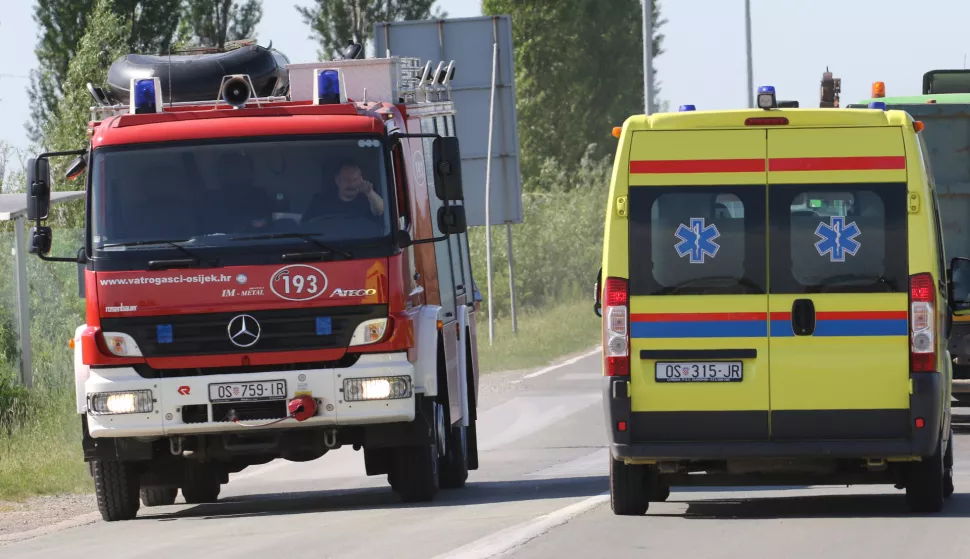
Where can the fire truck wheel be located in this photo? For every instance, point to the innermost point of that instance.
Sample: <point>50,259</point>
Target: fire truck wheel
<point>116,489</point>
<point>158,496</point>
<point>201,484</point>
<point>415,473</point>
<point>454,464</point>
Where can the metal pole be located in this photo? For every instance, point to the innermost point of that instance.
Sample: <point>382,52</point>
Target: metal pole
<point>23,302</point>
<point>515,320</point>
<point>648,56</point>
<point>747,35</point>
<point>488,201</point>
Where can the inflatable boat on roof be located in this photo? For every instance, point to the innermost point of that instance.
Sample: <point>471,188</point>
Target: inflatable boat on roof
<point>197,76</point>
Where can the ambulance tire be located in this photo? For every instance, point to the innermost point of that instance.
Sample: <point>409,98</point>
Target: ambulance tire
<point>201,484</point>
<point>628,488</point>
<point>158,496</point>
<point>925,486</point>
<point>116,489</point>
<point>659,493</point>
<point>948,468</point>
<point>414,473</point>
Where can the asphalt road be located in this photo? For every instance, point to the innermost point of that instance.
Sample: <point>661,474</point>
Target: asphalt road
<point>541,491</point>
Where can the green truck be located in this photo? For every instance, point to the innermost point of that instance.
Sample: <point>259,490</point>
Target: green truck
<point>944,110</point>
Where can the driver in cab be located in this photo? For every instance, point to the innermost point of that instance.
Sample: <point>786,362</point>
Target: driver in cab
<point>350,196</point>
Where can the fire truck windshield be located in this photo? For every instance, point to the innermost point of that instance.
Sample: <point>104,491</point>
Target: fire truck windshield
<point>258,194</point>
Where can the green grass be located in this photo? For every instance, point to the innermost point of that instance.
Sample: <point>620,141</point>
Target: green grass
<point>544,335</point>
<point>43,455</point>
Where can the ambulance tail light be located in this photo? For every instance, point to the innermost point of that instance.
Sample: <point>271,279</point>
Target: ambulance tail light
<point>616,328</point>
<point>922,323</point>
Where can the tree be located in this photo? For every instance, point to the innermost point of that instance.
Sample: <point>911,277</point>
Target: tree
<point>578,73</point>
<point>335,23</point>
<point>105,40</point>
<point>211,23</point>
<point>150,27</point>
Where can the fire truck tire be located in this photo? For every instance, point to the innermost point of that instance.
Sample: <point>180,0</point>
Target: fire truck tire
<point>158,496</point>
<point>201,484</point>
<point>415,473</point>
<point>116,489</point>
<point>471,451</point>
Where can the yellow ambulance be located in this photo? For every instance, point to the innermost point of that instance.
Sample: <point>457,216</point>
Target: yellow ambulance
<point>775,304</point>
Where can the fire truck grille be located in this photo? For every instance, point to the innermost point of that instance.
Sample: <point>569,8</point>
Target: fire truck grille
<point>278,330</point>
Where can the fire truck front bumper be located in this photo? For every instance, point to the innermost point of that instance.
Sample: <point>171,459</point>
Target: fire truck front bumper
<point>379,388</point>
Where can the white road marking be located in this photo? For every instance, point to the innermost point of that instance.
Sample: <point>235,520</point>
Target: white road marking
<point>565,363</point>
<point>594,464</point>
<point>523,416</point>
<point>503,541</point>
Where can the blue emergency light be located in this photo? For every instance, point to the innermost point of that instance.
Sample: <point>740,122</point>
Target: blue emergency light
<point>766,97</point>
<point>328,87</point>
<point>144,96</point>
<point>684,108</point>
<point>877,105</point>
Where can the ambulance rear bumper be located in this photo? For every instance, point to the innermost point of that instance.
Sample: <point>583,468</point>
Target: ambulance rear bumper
<point>720,435</point>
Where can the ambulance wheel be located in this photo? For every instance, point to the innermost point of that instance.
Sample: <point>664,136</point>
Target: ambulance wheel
<point>201,484</point>
<point>158,496</point>
<point>628,488</point>
<point>925,486</point>
<point>659,493</point>
<point>116,489</point>
<point>948,468</point>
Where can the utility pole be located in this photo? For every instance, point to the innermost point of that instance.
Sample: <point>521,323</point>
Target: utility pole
<point>747,35</point>
<point>648,56</point>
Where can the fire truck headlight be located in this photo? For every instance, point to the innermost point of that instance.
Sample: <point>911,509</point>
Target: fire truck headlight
<point>121,344</point>
<point>110,403</point>
<point>766,97</point>
<point>369,332</point>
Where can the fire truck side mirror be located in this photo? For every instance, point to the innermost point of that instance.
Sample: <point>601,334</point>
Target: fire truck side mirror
<point>38,189</point>
<point>447,169</point>
<point>451,220</point>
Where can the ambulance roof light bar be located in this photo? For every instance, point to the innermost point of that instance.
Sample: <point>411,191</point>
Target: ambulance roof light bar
<point>766,97</point>
<point>686,108</point>
<point>145,96</point>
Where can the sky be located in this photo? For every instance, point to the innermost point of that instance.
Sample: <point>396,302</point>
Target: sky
<point>704,63</point>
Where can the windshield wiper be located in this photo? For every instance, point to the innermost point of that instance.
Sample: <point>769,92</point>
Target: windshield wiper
<point>176,244</point>
<point>843,279</point>
<point>308,237</point>
<point>718,281</point>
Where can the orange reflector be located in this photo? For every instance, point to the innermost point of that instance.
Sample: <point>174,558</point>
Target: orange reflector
<point>440,325</point>
<point>932,101</point>
<point>70,343</point>
<point>616,131</point>
<point>918,125</point>
<point>878,89</point>
<point>920,423</point>
<point>766,121</point>
<point>621,426</point>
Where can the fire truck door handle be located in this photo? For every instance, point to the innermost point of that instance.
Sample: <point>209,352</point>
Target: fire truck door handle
<point>460,286</point>
<point>449,314</point>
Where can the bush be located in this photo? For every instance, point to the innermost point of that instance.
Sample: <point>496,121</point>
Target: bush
<point>558,248</point>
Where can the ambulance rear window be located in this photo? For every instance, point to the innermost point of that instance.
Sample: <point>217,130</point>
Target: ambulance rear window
<point>697,240</point>
<point>848,238</point>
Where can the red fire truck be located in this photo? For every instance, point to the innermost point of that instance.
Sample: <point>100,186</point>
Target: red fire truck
<point>275,265</point>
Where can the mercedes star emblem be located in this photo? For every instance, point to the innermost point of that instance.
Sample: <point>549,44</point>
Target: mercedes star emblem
<point>244,330</point>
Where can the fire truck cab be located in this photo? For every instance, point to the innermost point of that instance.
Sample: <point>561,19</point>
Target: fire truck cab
<point>275,272</point>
